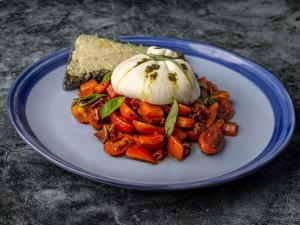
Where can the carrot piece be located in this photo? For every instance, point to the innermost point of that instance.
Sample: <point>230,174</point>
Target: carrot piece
<point>153,141</point>
<point>178,132</point>
<point>146,128</point>
<point>150,111</point>
<point>121,123</point>
<point>230,129</point>
<point>139,153</point>
<point>221,95</point>
<point>185,122</point>
<point>87,88</point>
<point>127,112</point>
<point>212,114</point>
<point>80,113</point>
<point>111,92</point>
<point>183,110</point>
<point>100,88</point>
<point>175,148</point>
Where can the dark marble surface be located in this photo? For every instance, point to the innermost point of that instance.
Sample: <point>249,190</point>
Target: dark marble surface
<point>32,191</point>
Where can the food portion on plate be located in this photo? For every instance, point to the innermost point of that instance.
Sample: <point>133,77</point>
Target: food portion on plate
<point>146,103</point>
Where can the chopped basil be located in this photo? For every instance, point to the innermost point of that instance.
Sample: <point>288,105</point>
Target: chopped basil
<point>88,99</point>
<point>107,76</point>
<point>110,106</point>
<point>171,119</point>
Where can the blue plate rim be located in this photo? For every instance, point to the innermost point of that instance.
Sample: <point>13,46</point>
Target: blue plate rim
<point>182,45</point>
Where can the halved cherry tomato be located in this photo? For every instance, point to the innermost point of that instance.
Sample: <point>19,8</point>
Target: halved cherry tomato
<point>183,110</point>
<point>87,88</point>
<point>146,128</point>
<point>230,129</point>
<point>119,147</point>
<point>93,122</point>
<point>153,141</point>
<point>175,147</point>
<point>80,113</point>
<point>212,114</point>
<point>178,132</point>
<point>185,122</point>
<point>196,131</point>
<point>100,88</point>
<point>111,92</point>
<point>211,141</point>
<point>139,153</point>
<point>221,95</point>
<point>225,110</point>
<point>127,112</point>
<point>120,123</point>
<point>150,111</point>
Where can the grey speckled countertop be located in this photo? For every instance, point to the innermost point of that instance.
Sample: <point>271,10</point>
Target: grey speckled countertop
<point>33,191</point>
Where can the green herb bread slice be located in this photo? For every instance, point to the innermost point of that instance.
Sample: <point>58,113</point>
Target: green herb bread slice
<point>91,57</point>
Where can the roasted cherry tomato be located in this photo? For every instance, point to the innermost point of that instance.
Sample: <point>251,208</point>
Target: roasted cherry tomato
<point>120,123</point>
<point>127,112</point>
<point>185,122</point>
<point>138,152</point>
<point>100,88</point>
<point>212,114</point>
<point>111,92</point>
<point>119,147</point>
<point>230,129</point>
<point>150,111</point>
<point>178,132</point>
<point>146,128</point>
<point>184,110</point>
<point>80,113</point>
<point>153,141</point>
<point>175,148</point>
<point>225,110</point>
<point>87,88</point>
<point>211,141</point>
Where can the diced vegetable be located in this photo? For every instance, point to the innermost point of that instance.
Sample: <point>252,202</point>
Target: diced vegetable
<point>185,122</point>
<point>180,133</point>
<point>158,154</point>
<point>100,88</point>
<point>175,148</point>
<point>111,92</point>
<point>153,141</point>
<point>150,111</point>
<point>121,123</point>
<point>80,113</point>
<point>221,95</point>
<point>184,110</point>
<point>146,128</point>
<point>212,114</point>
<point>211,141</point>
<point>230,129</point>
<point>119,147</point>
<point>87,88</point>
<point>139,153</point>
<point>225,110</point>
<point>127,112</point>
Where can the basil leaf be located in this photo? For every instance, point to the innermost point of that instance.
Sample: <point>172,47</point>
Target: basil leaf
<point>88,99</point>
<point>107,76</point>
<point>171,118</point>
<point>110,106</point>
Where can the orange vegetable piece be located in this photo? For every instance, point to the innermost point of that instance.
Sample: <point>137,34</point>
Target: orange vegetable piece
<point>146,128</point>
<point>127,112</point>
<point>230,129</point>
<point>211,141</point>
<point>139,153</point>
<point>111,92</point>
<point>121,123</point>
<point>100,88</point>
<point>212,114</point>
<point>80,113</point>
<point>221,95</point>
<point>183,110</point>
<point>219,123</point>
<point>93,122</point>
<point>178,132</point>
<point>185,122</point>
<point>175,147</point>
<point>158,154</point>
<point>87,88</point>
<point>150,111</point>
<point>153,141</point>
<point>119,147</point>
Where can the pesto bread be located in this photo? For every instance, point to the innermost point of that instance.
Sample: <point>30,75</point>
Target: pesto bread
<point>92,56</point>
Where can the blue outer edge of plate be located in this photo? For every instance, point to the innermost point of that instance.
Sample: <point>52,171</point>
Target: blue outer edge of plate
<point>274,90</point>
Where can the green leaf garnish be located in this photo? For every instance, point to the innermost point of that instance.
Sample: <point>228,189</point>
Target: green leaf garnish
<point>88,99</point>
<point>110,106</point>
<point>171,118</point>
<point>107,76</point>
<point>160,57</point>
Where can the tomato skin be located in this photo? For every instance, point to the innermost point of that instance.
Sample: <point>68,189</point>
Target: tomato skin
<point>183,110</point>
<point>87,88</point>
<point>185,122</point>
<point>146,128</point>
<point>101,87</point>
<point>119,147</point>
<point>111,92</point>
<point>138,152</point>
<point>127,112</point>
<point>211,141</point>
<point>80,113</point>
<point>150,111</point>
<point>120,123</point>
<point>230,129</point>
<point>212,114</point>
<point>153,141</point>
<point>180,133</point>
<point>175,148</point>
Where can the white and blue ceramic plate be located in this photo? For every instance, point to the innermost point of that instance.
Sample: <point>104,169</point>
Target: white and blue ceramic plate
<point>39,109</point>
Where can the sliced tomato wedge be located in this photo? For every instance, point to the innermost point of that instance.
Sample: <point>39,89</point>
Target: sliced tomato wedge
<point>127,112</point>
<point>185,122</point>
<point>150,111</point>
<point>87,88</point>
<point>184,110</point>
<point>153,141</point>
<point>119,147</point>
<point>138,152</point>
<point>121,123</point>
<point>146,128</point>
<point>100,88</point>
